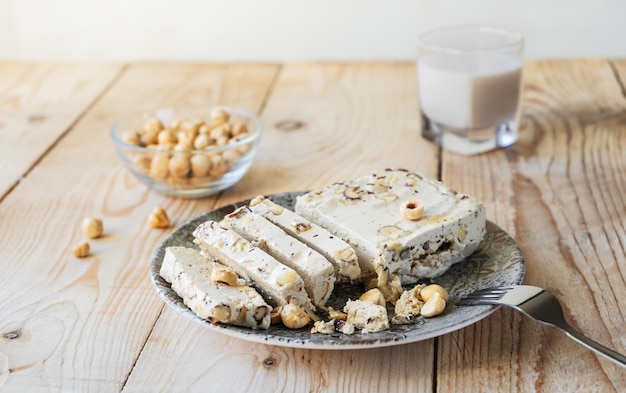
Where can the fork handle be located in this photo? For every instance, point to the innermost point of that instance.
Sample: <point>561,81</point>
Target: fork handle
<point>600,349</point>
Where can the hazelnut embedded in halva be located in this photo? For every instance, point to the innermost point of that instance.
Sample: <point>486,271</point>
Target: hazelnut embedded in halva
<point>412,210</point>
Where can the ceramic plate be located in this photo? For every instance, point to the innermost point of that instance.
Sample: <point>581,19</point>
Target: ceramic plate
<point>497,261</point>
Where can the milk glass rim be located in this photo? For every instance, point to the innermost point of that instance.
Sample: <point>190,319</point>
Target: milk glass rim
<point>517,40</point>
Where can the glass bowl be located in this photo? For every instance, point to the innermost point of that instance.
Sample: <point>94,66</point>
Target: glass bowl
<point>188,153</point>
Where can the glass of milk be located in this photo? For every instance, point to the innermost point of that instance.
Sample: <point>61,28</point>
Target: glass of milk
<point>469,80</point>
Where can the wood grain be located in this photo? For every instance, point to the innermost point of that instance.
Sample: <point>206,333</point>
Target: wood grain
<point>96,324</point>
<point>350,120</point>
<point>189,358</point>
<point>327,122</point>
<point>559,191</point>
<point>81,324</point>
<point>38,104</point>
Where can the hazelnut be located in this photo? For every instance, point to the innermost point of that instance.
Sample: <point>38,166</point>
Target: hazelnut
<point>92,227</point>
<point>81,250</point>
<point>158,218</point>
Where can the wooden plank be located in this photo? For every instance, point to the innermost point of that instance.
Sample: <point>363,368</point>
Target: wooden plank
<point>328,122</point>
<point>325,122</point>
<point>38,103</point>
<point>182,357</point>
<point>619,68</point>
<point>560,192</point>
<point>79,324</point>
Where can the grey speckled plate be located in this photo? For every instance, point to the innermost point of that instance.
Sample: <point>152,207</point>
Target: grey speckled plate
<point>498,261</point>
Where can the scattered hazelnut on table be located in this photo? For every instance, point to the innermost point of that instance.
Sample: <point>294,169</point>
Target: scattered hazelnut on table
<point>92,227</point>
<point>158,218</point>
<point>81,250</point>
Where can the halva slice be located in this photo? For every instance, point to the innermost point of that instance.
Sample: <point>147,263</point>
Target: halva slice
<point>370,213</point>
<point>193,278</point>
<point>278,283</point>
<point>337,251</point>
<point>316,271</point>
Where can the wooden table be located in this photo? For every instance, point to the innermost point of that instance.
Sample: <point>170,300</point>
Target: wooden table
<point>97,324</point>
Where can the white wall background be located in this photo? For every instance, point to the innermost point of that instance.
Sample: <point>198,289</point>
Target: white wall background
<point>283,30</point>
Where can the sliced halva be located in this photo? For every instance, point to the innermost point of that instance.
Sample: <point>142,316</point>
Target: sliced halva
<point>316,271</point>
<point>278,283</point>
<point>368,214</point>
<point>337,251</point>
<point>190,274</point>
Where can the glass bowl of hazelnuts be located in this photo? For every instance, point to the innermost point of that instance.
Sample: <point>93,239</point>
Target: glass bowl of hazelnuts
<point>188,153</point>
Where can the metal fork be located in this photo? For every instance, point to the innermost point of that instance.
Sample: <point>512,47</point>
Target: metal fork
<point>542,306</point>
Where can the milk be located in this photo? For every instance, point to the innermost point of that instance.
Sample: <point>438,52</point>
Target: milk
<point>469,91</point>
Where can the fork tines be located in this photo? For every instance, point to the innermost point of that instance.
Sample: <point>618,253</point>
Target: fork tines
<point>485,294</point>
